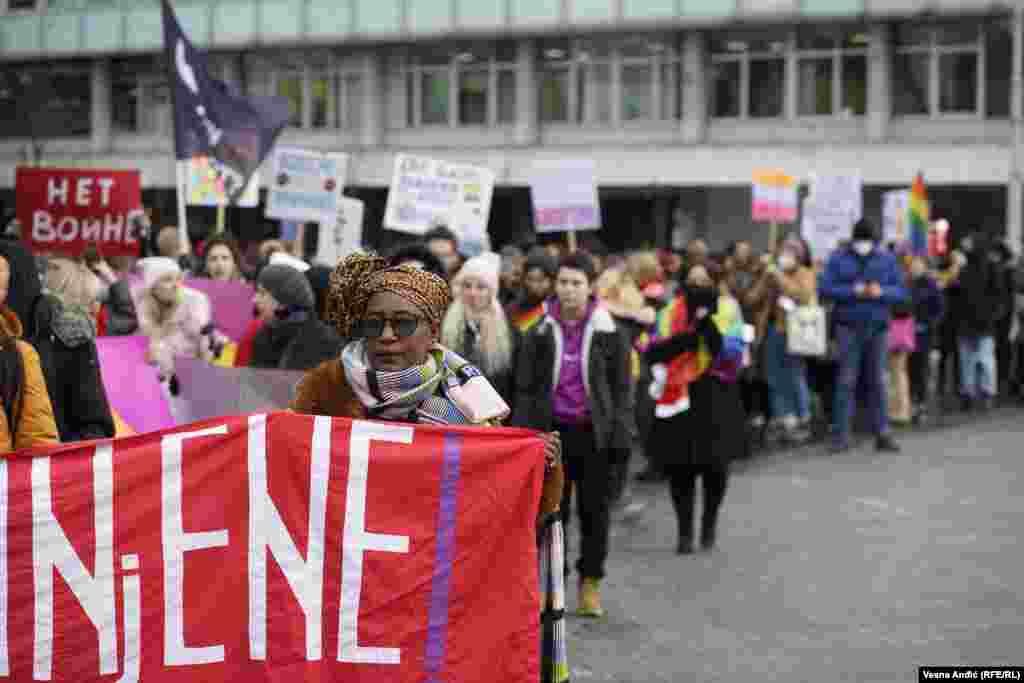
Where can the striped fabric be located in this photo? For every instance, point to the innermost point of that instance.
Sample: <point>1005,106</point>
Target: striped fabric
<point>554,656</point>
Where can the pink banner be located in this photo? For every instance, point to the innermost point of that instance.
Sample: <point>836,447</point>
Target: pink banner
<point>133,387</point>
<point>231,302</point>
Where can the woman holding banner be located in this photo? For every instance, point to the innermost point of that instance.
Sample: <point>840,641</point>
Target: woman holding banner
<point>396,369</point>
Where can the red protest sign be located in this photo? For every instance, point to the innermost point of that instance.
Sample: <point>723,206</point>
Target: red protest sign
<point>64,210</point>
<point>271,548</point>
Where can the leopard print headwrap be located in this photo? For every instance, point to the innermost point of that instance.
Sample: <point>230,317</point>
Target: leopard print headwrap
<point>359,276</point>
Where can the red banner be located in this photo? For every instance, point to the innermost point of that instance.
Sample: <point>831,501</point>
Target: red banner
<point>64,210</point>
<point>274,548</point>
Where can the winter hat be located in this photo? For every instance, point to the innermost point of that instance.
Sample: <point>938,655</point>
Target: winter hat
<point>288,286</point>
<point>283,259</point>
<point>864,230</point>
<point>155,267</point>
<point>540,259</point>
<point>484,267</point>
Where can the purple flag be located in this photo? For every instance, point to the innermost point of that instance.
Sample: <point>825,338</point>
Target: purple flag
<point>209,391</point>
<point>133,387</point>
<point>231,303</point>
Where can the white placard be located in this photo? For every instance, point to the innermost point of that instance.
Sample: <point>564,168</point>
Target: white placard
<point>426,193</point>
<point>305,185</point>
<point>824,228</point>
<point>894,215</point>
<point>564,195</point>
<point>838,194</point>
<point>343,236</point>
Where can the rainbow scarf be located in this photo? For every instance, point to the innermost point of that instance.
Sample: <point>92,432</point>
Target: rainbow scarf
<point>729,321</point>
<point>526,319</point>
<point>918,215</point>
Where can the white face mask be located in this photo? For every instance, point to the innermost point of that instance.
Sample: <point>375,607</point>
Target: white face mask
<point>863,247</point>
<point>786,261</point>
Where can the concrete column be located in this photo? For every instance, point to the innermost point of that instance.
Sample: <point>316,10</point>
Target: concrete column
<point>1015,190</point>
<point>879,82</point>
<point>695,101</point>
<point>101,111</point>
<point>791,87</point>
<point>373,124</point>
<point>527,97</point>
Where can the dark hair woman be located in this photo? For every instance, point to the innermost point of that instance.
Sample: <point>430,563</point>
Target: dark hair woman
<point>221,260</point>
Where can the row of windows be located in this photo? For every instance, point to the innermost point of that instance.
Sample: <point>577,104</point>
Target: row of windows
<point>942,69</point>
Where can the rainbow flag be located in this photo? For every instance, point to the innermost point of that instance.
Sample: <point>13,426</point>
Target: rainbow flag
<point>918,215</point>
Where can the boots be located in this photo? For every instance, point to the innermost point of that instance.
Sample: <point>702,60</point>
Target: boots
<point>590,599</point>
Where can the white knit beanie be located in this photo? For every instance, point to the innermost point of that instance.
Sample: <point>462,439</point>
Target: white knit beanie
<point>486,267</point>
<point>156,267</point>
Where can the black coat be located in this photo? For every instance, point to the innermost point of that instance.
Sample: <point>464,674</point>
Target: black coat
<point>712,431</point>
<point>504,382</point>
<point>979,297</point>
<point>66,346</point>
<point>607,367</point>
<point>294,345</point>
<point>121,316</point>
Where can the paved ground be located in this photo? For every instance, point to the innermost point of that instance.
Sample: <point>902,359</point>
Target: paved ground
<point>857,567</point>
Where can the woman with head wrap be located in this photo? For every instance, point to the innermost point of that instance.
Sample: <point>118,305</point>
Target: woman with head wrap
<point>476,328</point>
<point>395,369</point>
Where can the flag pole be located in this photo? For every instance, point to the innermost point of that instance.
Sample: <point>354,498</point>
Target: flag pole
<point>182,215</point>
<point>221,216</point>
<point>572,241</point>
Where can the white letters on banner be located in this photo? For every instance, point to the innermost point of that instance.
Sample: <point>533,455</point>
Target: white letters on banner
<point>306,185</point>
<point>267,530</point>
<point>425,193</point>
<point>342,236</point>
<point>357,540</point>
<point>177,542</point>
<point>52,550</point>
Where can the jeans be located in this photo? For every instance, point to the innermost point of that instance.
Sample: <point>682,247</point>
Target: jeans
<point>861,350</point>
<point>787,376</point>
<point>977,367</point>
<point>588,475</point>
<point>900,407</point>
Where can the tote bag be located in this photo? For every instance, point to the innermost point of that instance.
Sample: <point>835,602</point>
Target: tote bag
<point>807,331</point>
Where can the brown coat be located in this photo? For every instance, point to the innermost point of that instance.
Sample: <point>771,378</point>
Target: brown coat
<point>801,286</point>
<point>324,390</point>
<point>37,426</point>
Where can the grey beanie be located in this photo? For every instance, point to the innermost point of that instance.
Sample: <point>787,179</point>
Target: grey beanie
<point>288,286</point>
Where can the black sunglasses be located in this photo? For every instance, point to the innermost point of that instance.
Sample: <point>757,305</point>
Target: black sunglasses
<point>373,328</point>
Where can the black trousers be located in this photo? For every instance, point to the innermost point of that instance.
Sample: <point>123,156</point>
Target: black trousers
<point>682,481</point>
<point>919,370</point>
<point>588,479</point>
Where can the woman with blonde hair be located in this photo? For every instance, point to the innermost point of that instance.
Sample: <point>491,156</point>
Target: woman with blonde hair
<point>74,284</point>
<point>475,326</point>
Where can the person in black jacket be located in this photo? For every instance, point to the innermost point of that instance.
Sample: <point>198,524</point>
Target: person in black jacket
<point>573,376</point>
<point>65,341</point>
<point>293,338</point>
<point>976,307</point>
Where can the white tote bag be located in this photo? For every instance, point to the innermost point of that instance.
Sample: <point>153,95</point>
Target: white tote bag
<point>807,331</point>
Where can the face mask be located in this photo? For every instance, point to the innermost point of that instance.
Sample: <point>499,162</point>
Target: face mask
<point>863,247</point>
<point>786,261</point>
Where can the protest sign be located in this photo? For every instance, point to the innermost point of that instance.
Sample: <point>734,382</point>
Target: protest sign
<point>774,197</point>
<point>132,385</point>
<point>824,228</point>
<point>274,547</point>
<point>307,185</point>
<point>564,196</point>
<point>425,193</point>
<point>64,210</point>
<point>342,236</point>
<point>895,205</point>
<point>838,194</point>
<point>208,182</point>
<point>207,392</point>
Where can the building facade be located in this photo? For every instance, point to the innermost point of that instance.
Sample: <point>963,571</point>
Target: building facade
<point>677,101</point>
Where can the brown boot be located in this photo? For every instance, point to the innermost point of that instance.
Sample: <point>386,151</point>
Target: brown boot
<point>590,599</point>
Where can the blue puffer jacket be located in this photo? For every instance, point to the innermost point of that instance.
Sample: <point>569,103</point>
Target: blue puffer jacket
<point>845,269</point>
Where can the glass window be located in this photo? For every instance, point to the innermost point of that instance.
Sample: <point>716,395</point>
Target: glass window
<point>434,91</point>
<point>958,83</point>
<point>998,68</point>
<point>124,105</point>
<point>289,85</point>
<point>637,92</point>
<point>726,90</point>
<point>767,77</point>
<point>554,95</point>
<point>815,79</point>
<point>599,102</point>
<point>910,84</point>
<point>64,105</point>
<point>320,90</point>
<point>473,97</point>
<point>855,85</point>
<point>506,96</point>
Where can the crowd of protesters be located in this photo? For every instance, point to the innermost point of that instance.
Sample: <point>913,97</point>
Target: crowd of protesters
<point>684,359</point>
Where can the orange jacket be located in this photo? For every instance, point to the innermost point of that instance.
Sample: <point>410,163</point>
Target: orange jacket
<point>37,426</point>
